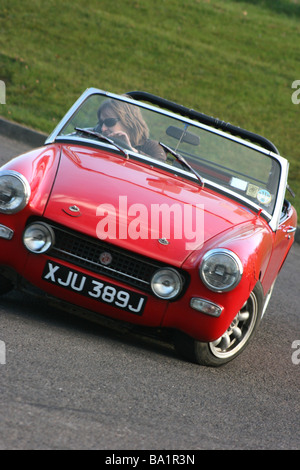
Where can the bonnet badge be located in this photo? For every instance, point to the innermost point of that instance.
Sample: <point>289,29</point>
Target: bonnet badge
<point>105,258</point>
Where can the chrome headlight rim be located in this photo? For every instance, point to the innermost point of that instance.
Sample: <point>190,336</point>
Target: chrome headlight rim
<point>176,277</point>
<point>233,257</point>
<point>26,191</point>
<point>49,237</point>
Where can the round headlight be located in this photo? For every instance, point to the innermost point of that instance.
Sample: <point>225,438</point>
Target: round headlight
<point>221,270</point>
<point>38,237</point>
<point>14,192</point>
<point>166,283</point>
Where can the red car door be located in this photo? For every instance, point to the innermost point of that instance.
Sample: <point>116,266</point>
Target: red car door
<point>282,242</point>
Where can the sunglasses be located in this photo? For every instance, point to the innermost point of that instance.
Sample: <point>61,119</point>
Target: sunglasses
<point>108,122</point>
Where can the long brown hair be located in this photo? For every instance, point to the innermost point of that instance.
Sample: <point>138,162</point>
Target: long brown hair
<point>131,118</point>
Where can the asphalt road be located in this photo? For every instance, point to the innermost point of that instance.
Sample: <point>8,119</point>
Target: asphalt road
<point>70,384</point>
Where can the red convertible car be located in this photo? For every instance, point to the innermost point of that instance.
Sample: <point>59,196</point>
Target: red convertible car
<point>150,213</point>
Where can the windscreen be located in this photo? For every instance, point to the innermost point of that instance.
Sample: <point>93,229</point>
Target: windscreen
<point>242,170</point>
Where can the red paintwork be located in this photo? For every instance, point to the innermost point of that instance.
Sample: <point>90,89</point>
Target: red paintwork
<point>63,175</point>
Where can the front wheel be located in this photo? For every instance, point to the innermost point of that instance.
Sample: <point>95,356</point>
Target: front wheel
<point>232,342</point>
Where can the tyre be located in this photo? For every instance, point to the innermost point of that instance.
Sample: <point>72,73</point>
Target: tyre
<point>5,285</point>
<point>232,342</point>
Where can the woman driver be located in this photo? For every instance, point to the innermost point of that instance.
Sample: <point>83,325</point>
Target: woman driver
<point>121,120</point>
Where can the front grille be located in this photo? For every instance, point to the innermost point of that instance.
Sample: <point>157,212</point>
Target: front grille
<point>85,252</point>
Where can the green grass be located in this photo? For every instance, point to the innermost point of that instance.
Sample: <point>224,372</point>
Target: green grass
<point>235,60</point>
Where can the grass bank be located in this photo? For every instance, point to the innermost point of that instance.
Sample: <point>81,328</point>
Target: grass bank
<point>235,60</point>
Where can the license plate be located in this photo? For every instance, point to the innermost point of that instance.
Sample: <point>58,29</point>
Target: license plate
<point>93,288</point>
